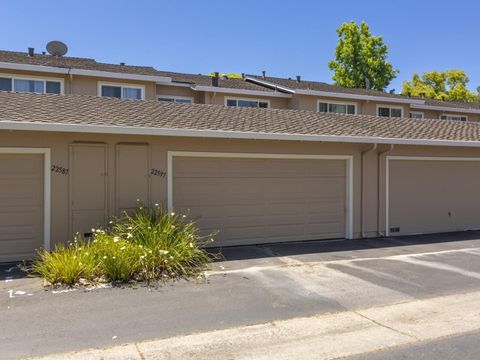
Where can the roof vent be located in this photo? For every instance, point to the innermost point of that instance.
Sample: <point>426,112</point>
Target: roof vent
<point>31,52</point>
<point>122,64</point>
<point>224,77</point>
<point>243,76</point>
<point>264,74</point>
<point>57,48</point>
<point>215,79</point>
<point>299,78</point>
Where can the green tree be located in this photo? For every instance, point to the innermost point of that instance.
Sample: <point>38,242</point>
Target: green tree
<point>361,59</point>
<point>440,85</point>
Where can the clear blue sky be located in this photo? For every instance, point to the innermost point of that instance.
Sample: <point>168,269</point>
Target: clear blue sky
<point>285,38</point>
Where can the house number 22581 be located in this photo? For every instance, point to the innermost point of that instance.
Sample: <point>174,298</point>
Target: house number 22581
<point>59,170</point>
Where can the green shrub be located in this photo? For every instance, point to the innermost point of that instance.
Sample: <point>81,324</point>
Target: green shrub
<point>148,245</point>
<point>66,264</point>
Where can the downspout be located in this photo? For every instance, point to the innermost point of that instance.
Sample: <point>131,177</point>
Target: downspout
<point>379,205</point>
<point>362,195</point>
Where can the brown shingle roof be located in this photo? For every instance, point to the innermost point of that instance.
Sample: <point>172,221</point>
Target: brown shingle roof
<point>18,108</point>
<point>73,62</point>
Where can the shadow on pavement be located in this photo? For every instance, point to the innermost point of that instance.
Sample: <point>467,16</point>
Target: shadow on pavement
<point>245,252</point>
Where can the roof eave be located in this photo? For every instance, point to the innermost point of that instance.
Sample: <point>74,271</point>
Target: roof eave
<point>240,91</point>
<point>446,108</point>
<point>83,72</point>
<point>359,96</point>
<point>130,130</point>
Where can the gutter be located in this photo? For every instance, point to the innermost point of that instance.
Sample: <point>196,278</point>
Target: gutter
<point>223,134</point>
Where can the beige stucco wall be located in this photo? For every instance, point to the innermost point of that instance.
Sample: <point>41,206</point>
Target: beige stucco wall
<point>180,91</point>
<point>368,168</point>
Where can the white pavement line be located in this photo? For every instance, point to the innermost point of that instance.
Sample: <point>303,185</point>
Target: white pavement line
<point>440,266</point>
<point>327,336</point>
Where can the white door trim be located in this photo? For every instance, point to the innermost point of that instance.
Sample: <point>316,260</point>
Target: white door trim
<point>46,185</point>
<point>414,158</point>
<point>349,174</point>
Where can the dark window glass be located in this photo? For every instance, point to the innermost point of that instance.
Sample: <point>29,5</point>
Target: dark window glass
<point>183,101</point>
<point>112,91</point>
<point>396,112</point>
<point>53,87</point>
<point>5,84</point>
<point>247,103</point>
<point>323,107</point>
<point>166,99</point>
<point>351,109</point>
<point>384,112</point>
<point>262,104</point>
<point>231,102</point>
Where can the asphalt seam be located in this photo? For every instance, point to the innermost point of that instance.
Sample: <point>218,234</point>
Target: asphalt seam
<point>386,326</point>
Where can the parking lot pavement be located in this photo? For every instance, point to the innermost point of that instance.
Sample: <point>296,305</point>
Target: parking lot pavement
<point>253,285</point>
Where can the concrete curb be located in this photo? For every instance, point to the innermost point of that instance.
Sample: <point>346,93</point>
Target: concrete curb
<point>327,336</point>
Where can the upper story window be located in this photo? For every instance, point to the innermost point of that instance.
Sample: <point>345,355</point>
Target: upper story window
<point>122,91</point>
<point>416,115</point>
<point>30,85</point>
<point>337,108</point>
<point>248,103</point>
<point>176,99</point>
<point>389,111</point>
<point>453,117</point>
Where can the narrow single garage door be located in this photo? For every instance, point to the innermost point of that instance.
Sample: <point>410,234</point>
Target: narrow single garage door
<point>252,200</point>
<point>433,196</point>
<point>21,206</point>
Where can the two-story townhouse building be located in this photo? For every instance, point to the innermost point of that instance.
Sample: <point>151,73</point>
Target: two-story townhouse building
<point>261,159</point>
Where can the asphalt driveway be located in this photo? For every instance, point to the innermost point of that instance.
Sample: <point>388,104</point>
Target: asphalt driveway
<point>255,284</point>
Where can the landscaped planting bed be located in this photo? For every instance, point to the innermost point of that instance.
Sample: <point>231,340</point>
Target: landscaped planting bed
<point>148,245</point>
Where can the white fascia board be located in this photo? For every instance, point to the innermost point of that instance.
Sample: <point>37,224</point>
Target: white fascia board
<point>222,134</point>
<point>173,83</point>
<point>359,97</point>
<point>240,91</point>
<point>270,85</point>
<point>447,108</point>
<point>83,72</point>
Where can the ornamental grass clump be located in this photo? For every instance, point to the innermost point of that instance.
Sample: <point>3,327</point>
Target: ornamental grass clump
<point>66,264</point>
<point>170,244</point>
<point>146,245</point>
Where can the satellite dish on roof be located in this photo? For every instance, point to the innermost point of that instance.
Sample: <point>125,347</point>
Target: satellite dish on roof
<point>57,48</point>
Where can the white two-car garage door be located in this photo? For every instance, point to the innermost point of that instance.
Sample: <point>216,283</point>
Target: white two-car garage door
<point>430,195</point>
<point>21,205</point>
<point>260,200</point>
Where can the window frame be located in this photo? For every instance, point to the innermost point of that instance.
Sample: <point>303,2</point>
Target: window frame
<point>35,78</point>
<point>174,98</point>
<point>458,115</point>
<point>248,99</point>
<point>121,86</point>
<point>417,112</point>
<point>337,103</point>
<point>390,107</point>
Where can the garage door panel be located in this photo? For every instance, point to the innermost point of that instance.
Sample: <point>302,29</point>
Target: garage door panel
<point>434,196</point>
<point>21,205</point>
<point>262,200</point>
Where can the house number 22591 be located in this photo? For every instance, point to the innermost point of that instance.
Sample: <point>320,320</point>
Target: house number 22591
<point>156,172</point>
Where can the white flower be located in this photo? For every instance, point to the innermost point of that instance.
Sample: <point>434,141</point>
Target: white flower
<point>113,257</point>
<point>122,248</point>
<point>110,222</point>
<point>129,236</point>
<point>150,251</point>
<point>104,256</point>
<point>191,245</point>
<point>129,228</point>
<point>172,213</point>
<point>116,239</point>
<point>142,256</point>
<point>184,216</point>
<point>93,230</point>
<point>149,227</point>
<point>156,205</point>
<point>140,246</point>
<point>163,252</point>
